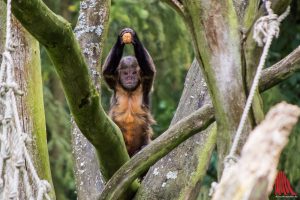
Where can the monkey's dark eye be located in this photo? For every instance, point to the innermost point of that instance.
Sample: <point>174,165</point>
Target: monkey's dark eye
<point>134,72</point>
<point>125,73</point>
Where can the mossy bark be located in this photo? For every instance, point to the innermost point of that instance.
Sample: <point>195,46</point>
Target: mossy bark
<point>27,71</point>
<point>215,29</point>
<point>2,27</point>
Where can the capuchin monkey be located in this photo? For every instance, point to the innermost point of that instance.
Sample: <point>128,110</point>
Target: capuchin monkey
<point>131,79</point>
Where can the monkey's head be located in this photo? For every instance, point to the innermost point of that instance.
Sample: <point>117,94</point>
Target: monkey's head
<point>129,73</point>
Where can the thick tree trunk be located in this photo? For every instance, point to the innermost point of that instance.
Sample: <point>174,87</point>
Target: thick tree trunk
<point>31,106</point>
<point>215,30</point>
<point>27,71</point>
<point>2,27</point>
<point>89,181</point>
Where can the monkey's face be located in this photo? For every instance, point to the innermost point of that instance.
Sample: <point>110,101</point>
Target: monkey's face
<point>129,73</point>
<point>129,78</point>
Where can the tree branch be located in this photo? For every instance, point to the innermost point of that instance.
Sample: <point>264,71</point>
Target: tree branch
<point>170,139</point>
<point>281,70</point>
<point>254,174</point>
<point>177,5</point>
<point>57,36</point>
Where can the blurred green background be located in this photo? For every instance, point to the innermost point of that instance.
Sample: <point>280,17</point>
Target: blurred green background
<point>165,36</point>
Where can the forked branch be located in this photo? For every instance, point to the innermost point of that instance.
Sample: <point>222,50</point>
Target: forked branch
<point>177,5</point>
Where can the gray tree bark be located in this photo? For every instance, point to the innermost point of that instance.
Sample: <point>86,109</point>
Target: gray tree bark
<point>93,16</point>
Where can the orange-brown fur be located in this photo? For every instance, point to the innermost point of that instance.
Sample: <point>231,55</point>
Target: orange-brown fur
<point>132,117</point>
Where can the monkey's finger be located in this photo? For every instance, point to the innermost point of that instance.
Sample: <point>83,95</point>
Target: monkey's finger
<point>126,30</point>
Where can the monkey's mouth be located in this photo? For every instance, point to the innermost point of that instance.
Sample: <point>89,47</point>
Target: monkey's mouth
<point>131,85</point>
<point>130,82</point>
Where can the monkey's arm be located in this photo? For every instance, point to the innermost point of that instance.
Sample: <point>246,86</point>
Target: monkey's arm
<point>111,63</point>
<point>143,57</point>
<point>145,62</point>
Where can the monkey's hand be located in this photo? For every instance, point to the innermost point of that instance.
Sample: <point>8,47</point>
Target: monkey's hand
<point>128,36</point>
<point>119,41</point>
